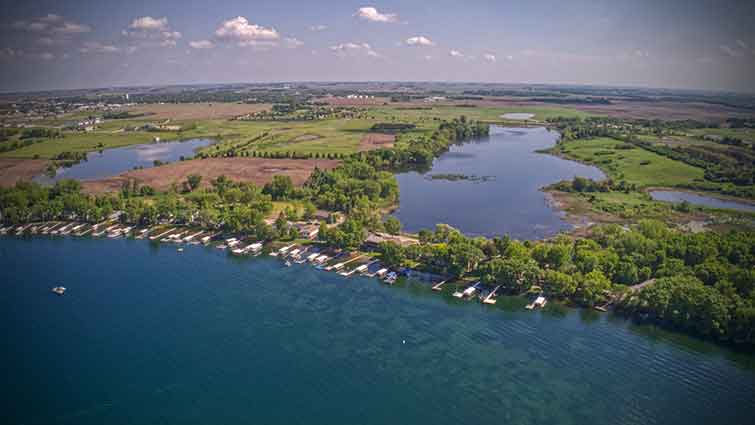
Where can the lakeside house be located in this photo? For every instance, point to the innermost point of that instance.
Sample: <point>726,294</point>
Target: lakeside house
<point>374,240</point>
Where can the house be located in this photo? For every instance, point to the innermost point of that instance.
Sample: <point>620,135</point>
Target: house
<point>307,230</point>
<point>375,239</point>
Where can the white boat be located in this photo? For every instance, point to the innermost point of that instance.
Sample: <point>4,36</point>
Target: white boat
<point>60,290</point>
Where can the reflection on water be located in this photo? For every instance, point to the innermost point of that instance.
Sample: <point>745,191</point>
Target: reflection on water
<point>509,202</point>
<point>695,199</point>
<point>118,160</point>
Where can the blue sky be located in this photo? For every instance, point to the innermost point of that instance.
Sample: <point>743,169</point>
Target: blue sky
<point>700,44</point>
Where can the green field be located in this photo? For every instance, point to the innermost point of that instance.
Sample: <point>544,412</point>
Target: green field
<point>85,142</point>
<point>328,136</point>
<point>634,165</point>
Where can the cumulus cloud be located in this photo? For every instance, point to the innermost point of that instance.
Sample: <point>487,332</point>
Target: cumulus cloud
<point>240,31</point>
<point>201,44</point>
<point>318,27</point>
<point>373,15</point>
<point>51,24</point>
<point>346,48</point>
<point>419,40</point>
<point>455,53</point>
<point>489,57</point>
<point>148,23</point>
<point>152,32</point>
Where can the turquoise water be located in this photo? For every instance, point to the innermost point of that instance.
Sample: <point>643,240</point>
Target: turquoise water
<point>114,161</point>
<point>147,335</point>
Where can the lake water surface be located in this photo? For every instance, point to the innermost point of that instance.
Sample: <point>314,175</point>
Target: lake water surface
<point>695,199</point>
<point>147,335</point>
<point>506,197</point>
<point>110,162</point>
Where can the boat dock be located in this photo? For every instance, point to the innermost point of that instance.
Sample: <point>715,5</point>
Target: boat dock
<point>539,302</point>
<point>490,299</point>
<point>439,286</point>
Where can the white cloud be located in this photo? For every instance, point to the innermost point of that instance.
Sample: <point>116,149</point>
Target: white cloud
<point>71,28</point>
<point>47,56</point>
<point>509,58</point>
<point>239,30</point>
<point>419,40</point>
<point>8,53</point>
<point>201,44</point>
<point>346,48</point>
<point>372,14</point>
<point>152,31</point>
<point>318,27</point>
<point>51,24</point>
<point>731,52</point>
<point>455,53</point>
<point>148,23</point>
<point>742,44</point>
<point>489,57</point>
<point>97,47</point>
<point>292,43</point>
<point>51,17</point>
<point>641,53</point>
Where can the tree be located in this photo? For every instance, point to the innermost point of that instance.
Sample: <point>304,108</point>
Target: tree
<point>592,288</point>
<point>392,253</point>
<point>193,181</point>
<point>559,284</point>
<point>280,188</point>
<point>392,225</point>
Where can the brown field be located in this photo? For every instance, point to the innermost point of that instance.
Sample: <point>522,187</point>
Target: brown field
<point>13,170</point>
<point>372,141</point>
<point>194,111</point>
<point>256,170</point>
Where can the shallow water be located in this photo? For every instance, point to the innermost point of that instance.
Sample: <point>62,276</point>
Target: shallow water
<point>507,201</point>
<point>118,160</point>
<point>695,199</point>
<point>147,335</point>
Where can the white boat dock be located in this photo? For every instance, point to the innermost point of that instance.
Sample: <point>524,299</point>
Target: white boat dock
<point>539,302</point>
<point>490,299</point>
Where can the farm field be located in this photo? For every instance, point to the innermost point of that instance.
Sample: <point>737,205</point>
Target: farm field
<point>323,137</point>
<point>635,165</point>
<point>256,170</point>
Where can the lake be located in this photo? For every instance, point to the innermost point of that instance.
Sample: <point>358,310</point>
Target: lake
<point>110,162</point>
<point>695,199</point>
<point>147,335</point>
<point>505,196</point>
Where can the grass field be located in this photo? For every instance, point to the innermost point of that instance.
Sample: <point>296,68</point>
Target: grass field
<point>85,142</point>
<point>329,136</point>
<point>634,165</point>
<point>746,134</point>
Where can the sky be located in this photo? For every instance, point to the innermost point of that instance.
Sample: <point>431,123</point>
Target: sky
<point>693,44</point>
